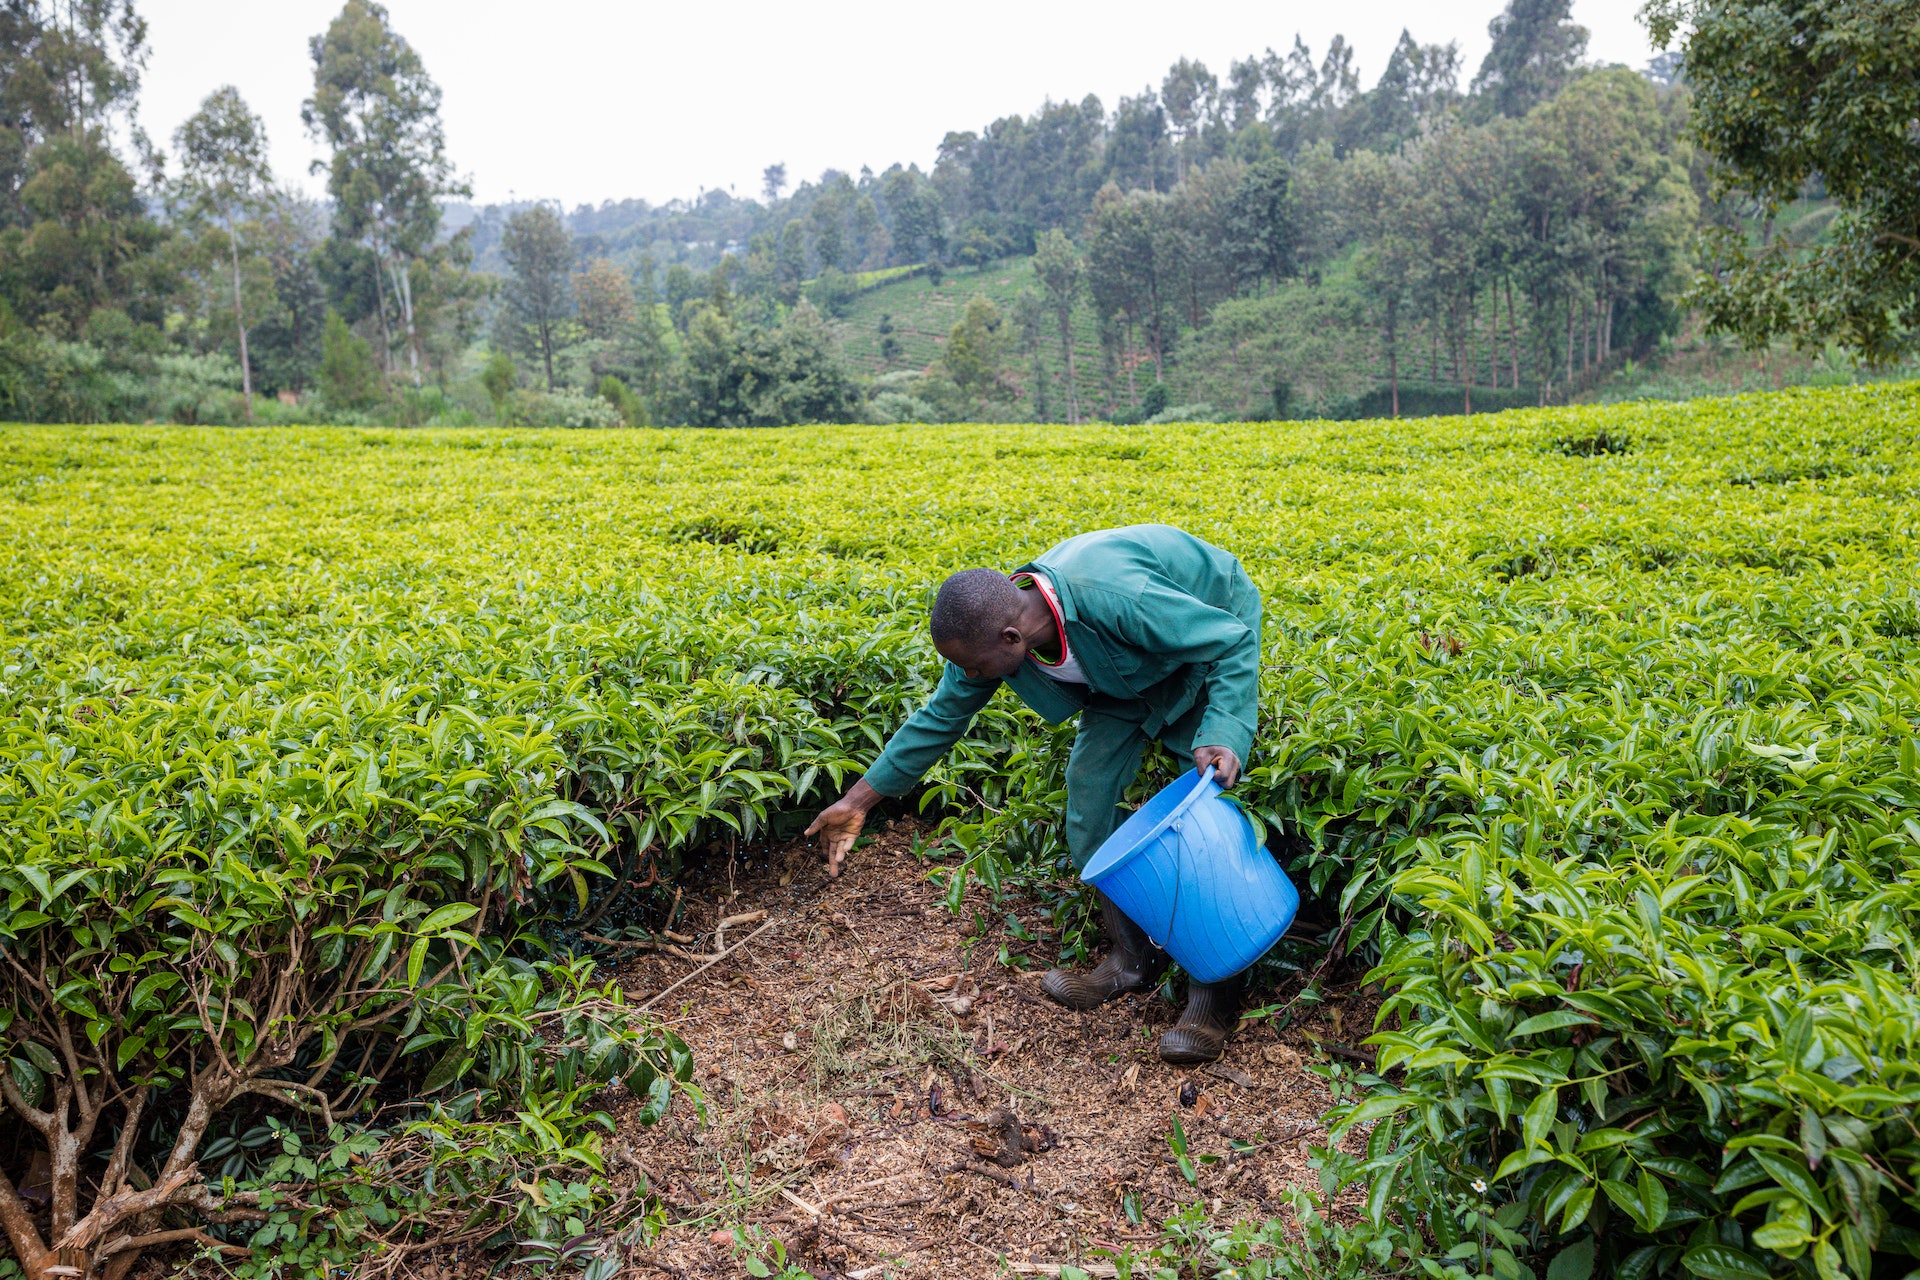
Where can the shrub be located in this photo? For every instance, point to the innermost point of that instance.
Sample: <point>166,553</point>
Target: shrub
<point>259,912</point>
<point>1604,763</point>
<point>563,408</point>
<point>349,376</point>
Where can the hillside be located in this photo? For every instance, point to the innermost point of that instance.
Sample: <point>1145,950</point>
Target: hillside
<point>1689,364</point>
<point>923,313</point>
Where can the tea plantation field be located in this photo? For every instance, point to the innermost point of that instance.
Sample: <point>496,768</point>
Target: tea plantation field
<point>1596,726</point>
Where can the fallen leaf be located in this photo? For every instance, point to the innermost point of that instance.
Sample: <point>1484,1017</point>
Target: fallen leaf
<point>1202,1105</point>
<point>1233,1074</point>
<point>1283,1056</point>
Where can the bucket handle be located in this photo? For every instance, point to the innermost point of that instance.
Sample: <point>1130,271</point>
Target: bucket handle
<point>1191,798</point>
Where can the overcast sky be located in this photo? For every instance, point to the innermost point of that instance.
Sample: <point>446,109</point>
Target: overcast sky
<point>582,101</point>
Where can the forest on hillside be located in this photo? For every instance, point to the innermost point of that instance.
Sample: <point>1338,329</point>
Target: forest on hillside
<point>1274,242</point>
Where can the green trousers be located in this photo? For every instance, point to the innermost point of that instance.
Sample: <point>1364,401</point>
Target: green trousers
<point>1105,759</point>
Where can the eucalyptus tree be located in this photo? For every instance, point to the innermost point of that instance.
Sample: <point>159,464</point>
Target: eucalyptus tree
<point>66,66</point>
<point>1063,277</point>
<point>1536,49</point>
<point>539,253</point>
<point>378,110</point>
<point>225,181</point>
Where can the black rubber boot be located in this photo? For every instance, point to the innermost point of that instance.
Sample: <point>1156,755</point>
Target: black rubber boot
<point>1201,1034</point>
<point>1133,964</point>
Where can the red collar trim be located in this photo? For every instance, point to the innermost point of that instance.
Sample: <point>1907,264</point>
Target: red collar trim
<point>1059,622</point>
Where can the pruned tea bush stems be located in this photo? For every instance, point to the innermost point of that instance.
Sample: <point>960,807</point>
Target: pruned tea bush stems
<point>317,742</point>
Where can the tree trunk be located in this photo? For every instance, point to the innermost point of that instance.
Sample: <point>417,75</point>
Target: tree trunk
<point>1133,397</point>
<point>1467,343</point>
<point>1513,334</point>
<point>1393,357</point>
<point>1066,349</point>
<point>1465,363</point>
<point>380,310</point>
<point>403,284</point>
<point>1571,321</point>
<point>240,323</point>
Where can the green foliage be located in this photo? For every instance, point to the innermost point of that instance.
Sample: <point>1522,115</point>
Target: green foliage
<point>1786,95</point>
<point>538,250</point>
<point>975,347</point>
<point>529,407</point>
<point>349,376</point>
<point>832,291</point>
<point>631,408</point>
<point>1605,755</point>
<point>497,376</point>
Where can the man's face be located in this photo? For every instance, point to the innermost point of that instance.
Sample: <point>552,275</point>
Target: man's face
<point>995,660</point>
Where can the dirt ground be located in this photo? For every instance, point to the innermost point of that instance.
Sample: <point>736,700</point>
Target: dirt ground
<point>887,1100</point>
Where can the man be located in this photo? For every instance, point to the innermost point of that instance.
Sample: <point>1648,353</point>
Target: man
<point>1145,633</point>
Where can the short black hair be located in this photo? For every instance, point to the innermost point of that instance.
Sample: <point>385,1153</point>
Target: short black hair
<point>973,606</point>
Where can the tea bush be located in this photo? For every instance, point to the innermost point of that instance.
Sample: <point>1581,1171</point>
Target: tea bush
<point>1606,755</point>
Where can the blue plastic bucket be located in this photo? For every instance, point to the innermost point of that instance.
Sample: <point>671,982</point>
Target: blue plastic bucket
<point>1188,869</point>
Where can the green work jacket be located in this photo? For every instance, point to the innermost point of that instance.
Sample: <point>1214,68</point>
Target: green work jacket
<point>1152,613</point>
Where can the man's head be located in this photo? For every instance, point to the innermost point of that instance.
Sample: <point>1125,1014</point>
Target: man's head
<point>985,625</point>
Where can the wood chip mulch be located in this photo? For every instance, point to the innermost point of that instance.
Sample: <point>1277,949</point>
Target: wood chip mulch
<point>889,1101</point>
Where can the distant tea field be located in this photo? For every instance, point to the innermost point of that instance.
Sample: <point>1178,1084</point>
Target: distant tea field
<point>1596,728</point>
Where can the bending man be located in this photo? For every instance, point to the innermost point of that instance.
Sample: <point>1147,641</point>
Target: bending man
<point>1144,633</point>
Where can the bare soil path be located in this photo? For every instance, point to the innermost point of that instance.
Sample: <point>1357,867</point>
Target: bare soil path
<point>870,1074</point>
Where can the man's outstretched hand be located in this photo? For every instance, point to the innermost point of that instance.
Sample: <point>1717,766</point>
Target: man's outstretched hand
<point>1226,766</point>
<point>838,825</point>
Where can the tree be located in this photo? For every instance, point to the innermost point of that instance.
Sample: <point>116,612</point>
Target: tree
<point>1378,195</point>
<point>375,106</point>
<point>682,291</point>
<point>1063,277</point>
<point>1261,224</point>
<point>1791,93</point>
<point>1188,95</point>
<point>225,179</point>
<point>790,263</point>
<point>1419,83</point>
<point>913,209</point>
<point>538,249</point>
<point>642,354</point>
<point>66,67</point>
<point>349,378</point>
<point>497,378</point>
<point>773,181</point>
<point>974,350</point>
<point>711,388</point>
<point>1030,314</point>
<point>1125,272</point>
<point>1536,49</point>
<point>795,374</point>
<point>826,220</point>
<point>604,297</point>
<point>88,243</point>
<point>285,336</point>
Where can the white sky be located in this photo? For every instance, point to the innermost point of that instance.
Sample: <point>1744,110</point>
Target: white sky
<point>584,101</point>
